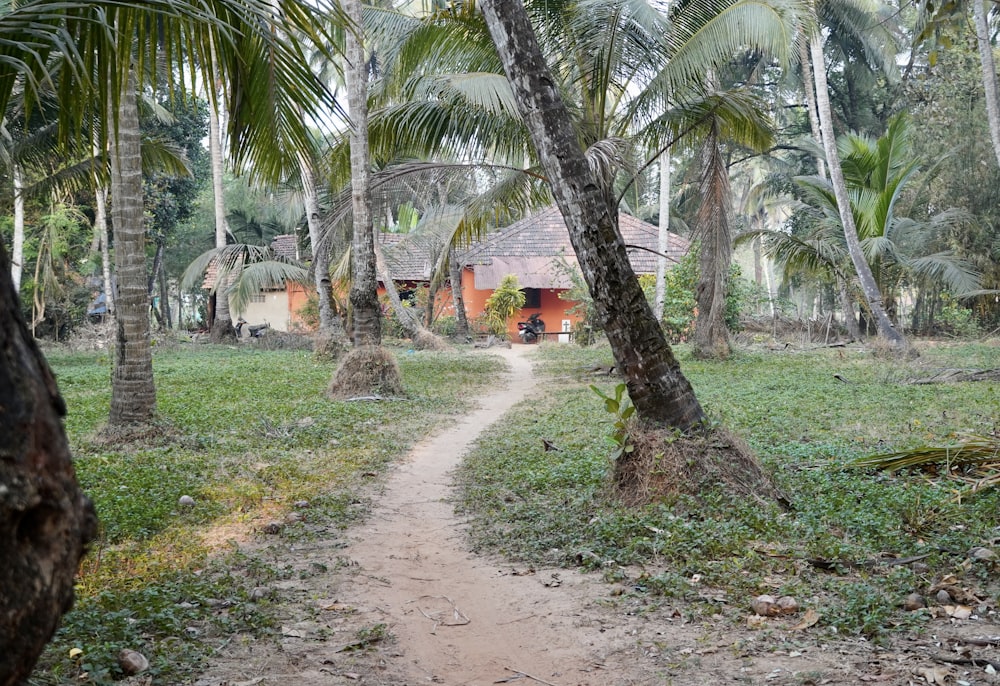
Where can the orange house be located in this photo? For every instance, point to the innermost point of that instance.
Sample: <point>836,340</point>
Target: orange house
<point>537,250</point>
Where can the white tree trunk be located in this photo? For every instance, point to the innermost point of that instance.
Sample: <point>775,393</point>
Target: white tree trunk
<point>321,260</point>
<point>989,74</point>
<point>101,229</point>
<point>809,87</point>
<point>663,242</point>
<point>17,253</point>
<point>868,284</point>
<point>222,323</point>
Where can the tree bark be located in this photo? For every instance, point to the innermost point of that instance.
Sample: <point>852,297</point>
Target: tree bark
<point>364,284</point>
<point>989,72</point>
<point>660,393</point>
<point>45,520</point>
<point>868,285</point>
<point>133,395</point>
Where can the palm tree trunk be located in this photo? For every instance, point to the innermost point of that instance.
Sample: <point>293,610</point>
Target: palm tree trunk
<point>101,229</point>
<point>660,393</point>
<point>364,285</point>
<point>989,72</point>
<point>457,300</point>
<point>133,395</point>
<point>711,338</point>
<point>17,262</point>
<point>868,285</point>
<point>662,242</point>
<point>328,321</point>
<point>222,323</point>
<point>808,85</point>
<point>45,519</point>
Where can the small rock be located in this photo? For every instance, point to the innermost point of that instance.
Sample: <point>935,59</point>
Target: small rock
<point>920,567</point>
<point>764,606</point>
<point>132,662</point>
<point>260,592</point>
<point>982,554</point>
<point>301,504</point>
<point>185,501</point>
<point>943,596</point>
<point>273,527</point>
<point>293,517</point>
<point>914,601</point>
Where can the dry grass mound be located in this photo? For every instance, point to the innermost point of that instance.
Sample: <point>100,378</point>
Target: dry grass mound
<point>663,465</point>
<point>154,433</point>
<point>367,370</point>
<point>425,340</point>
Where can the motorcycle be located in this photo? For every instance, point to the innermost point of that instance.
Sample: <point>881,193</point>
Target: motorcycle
<point>255,331</point>
<point>531,330</point>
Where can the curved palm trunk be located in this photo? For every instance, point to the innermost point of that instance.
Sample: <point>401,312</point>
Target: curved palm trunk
<point>711,338</point>
<point>364,285</point>
<point>660,393</point>
<point>45,519</point>
<point>989,72</point>
<point>133,395</point>
<point>872,293</point>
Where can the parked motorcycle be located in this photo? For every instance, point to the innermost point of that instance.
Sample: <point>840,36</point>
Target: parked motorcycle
<point>531,330</point>
<point>255,331</point>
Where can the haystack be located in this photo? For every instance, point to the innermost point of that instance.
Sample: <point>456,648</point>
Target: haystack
<point>366,370</point>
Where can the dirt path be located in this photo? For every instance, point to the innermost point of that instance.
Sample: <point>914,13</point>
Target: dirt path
<point>405,603</point>
<point>459,618</point>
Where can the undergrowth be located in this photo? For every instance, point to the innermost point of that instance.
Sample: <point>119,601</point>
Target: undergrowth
<point>806,415</point>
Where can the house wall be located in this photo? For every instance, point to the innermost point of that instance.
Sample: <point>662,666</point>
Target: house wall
<point>273,310</point>
<point>552,310</point>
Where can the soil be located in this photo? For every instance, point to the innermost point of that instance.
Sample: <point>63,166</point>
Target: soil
<point>403,602</point>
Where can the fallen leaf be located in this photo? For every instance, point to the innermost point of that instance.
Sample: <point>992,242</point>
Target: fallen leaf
<point>958,611</point>
<point>338,607</point>
<point>292,633</point>
<point>756,621</point>
<point>808,620</point>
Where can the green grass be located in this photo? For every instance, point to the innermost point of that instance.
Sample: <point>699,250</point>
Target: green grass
<point>249,434</point>
<point>805,425</point>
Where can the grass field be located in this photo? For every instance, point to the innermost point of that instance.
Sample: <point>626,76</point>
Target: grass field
<point>248,433</point>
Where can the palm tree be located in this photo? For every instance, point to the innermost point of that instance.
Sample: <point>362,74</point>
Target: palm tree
<point>872,295</point>
<point>897,248</point>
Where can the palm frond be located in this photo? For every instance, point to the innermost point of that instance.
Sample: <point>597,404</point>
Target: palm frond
<point>975,461</point>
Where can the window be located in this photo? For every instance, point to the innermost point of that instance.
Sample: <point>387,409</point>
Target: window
<point>532,297</point>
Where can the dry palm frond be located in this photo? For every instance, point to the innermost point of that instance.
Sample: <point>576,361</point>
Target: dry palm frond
<point>975,461</point>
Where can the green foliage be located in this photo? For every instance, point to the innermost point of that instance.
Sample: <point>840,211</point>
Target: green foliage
<point>620,409</point>
<point>956,320</point>
<point>679,303</point>
<point>505,302</point>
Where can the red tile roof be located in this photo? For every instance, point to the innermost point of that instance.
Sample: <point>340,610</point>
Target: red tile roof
<point>533,246</point>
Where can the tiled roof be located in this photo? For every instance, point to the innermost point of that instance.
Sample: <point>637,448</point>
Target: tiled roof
<point>529,247</point>
<point>407,260</point>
